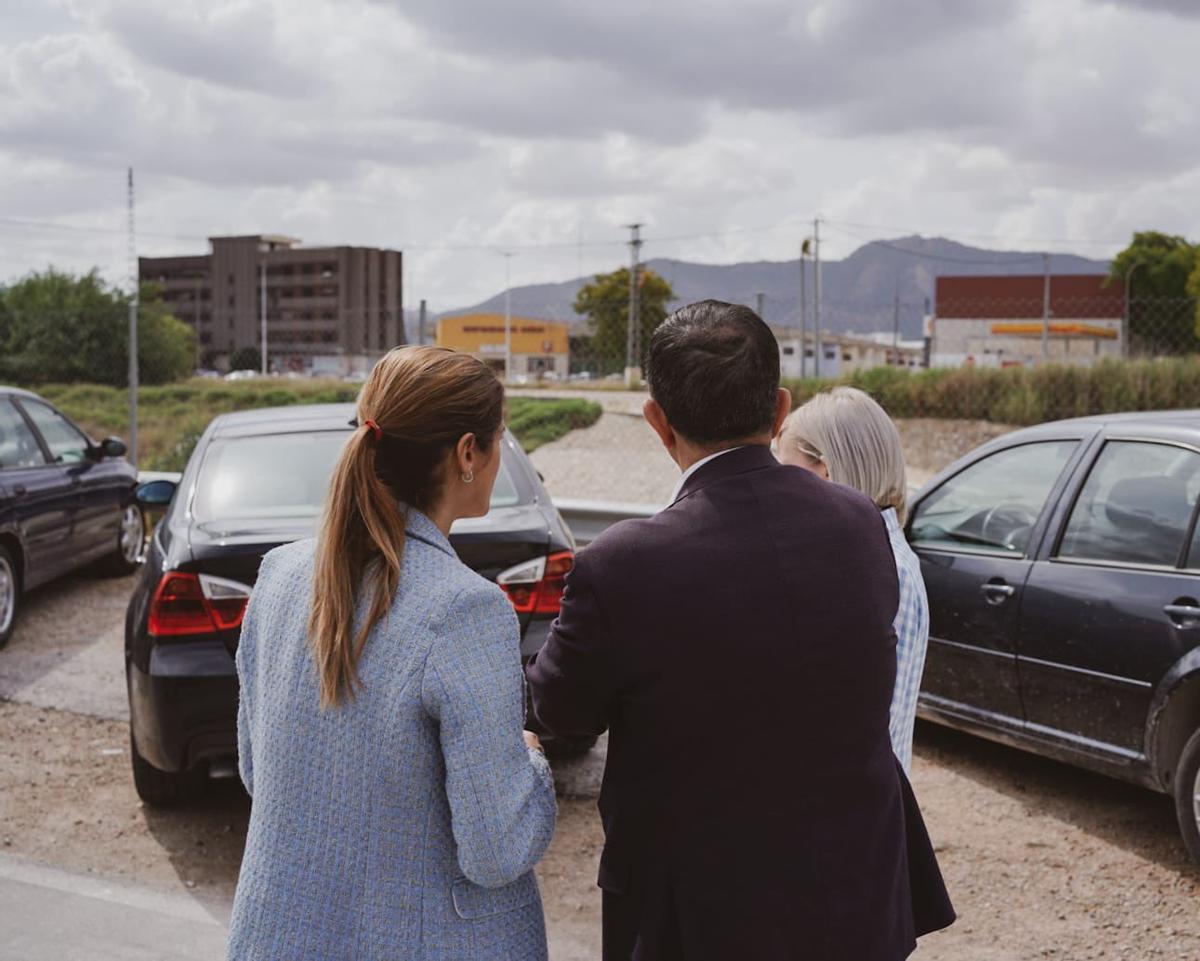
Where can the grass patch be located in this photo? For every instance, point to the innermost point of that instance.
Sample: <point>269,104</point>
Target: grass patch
<point>172,417</point>
<point>536,420</point>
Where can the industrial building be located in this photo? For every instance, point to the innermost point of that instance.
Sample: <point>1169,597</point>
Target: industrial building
<point>1026,320</point>
<point>329,310</point>
<point>539,348</point>
<point>844,353</point>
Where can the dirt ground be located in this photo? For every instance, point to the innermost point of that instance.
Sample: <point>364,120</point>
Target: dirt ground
<point>1042,860</point>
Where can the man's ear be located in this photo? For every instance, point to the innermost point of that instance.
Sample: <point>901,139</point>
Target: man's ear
<point>783,407</point>
<point>656,417</point>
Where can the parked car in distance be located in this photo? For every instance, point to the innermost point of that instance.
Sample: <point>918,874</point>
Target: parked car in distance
<point>65,501</point>
<point>1062,564</point>
<point>256,480</point>
<point>243,374</point>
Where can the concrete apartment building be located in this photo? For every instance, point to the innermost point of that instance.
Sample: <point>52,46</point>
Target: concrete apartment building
<point>329,310</point>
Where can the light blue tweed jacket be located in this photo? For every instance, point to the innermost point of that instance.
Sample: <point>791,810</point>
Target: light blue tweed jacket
<point>403,824</point>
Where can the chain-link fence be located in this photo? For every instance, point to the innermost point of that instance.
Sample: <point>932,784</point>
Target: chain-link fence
<point>327,318</point>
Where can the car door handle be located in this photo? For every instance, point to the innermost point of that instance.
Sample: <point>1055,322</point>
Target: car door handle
<point>997,593</point>
<point>1184,615</point>
<point>18,490</point>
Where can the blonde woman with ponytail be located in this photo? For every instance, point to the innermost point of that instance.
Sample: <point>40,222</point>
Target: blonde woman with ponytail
<point>398,808</point>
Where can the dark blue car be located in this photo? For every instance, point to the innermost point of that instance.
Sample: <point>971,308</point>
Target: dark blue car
<point>65,501</point>
<point>1063,570</point>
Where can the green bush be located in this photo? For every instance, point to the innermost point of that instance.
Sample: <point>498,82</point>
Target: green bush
<point>1023,396</point>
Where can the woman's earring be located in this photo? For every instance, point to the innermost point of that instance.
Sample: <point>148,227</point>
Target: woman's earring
<point>468,477</point>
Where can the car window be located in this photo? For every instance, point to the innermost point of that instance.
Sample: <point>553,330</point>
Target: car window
<point>18,446</point>
<point>67,445</point>
<point>993,505</point>
<point>283,475</point>
<point>1135,506</point>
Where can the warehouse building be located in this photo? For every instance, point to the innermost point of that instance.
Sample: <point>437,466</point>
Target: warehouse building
<point>1026,320</point>
<point>540,348</point>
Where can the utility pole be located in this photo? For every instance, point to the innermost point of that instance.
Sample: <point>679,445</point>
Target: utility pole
<point>896,325</point>
<point>758,304</point>
<point>133,332</point>
<point>803,331</point>
<point>633,345</point>
<point>1045,307</point>
<point>421,325</point>
<point>1128,307</point>
<point>507,255</point>
<point>262,309</point>
<point>820,348</point>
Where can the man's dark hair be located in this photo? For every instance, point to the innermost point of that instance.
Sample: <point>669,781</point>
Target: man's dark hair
<point>714,369</point>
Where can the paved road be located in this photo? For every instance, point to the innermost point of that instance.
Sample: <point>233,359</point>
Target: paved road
<point>52,915</point>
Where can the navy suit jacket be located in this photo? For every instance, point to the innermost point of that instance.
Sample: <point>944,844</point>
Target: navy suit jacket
<point>739,648</point>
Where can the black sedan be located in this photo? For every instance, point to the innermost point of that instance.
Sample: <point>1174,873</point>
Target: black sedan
<point>256,480</point>
<point>65,501</point>
<point>1063,569</point>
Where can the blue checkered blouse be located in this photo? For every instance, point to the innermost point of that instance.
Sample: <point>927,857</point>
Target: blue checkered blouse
<point>912,639</point>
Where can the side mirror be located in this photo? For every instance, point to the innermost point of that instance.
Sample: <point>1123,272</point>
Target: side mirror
<point>157,493</point>
<point>113,447</point>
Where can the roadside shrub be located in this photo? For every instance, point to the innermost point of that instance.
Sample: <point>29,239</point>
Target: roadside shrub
<point>1023,396</point>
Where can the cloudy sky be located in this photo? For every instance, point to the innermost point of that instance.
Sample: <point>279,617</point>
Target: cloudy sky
<point>454,129</point>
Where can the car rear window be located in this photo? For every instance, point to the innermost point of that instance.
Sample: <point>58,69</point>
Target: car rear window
<point>284,475</point>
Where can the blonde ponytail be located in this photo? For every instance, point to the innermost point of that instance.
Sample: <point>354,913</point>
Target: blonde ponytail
<point>419,401</point>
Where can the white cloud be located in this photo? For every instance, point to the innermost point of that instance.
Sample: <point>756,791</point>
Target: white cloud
<point>427,124</point>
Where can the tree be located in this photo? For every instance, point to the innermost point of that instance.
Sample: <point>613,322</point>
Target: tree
<point>1159,270</point>
<point>55,326</point>
<point>605,303</point>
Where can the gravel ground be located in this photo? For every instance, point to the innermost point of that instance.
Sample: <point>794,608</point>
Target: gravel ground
<point>619,458</point>
<point>1043,861</point>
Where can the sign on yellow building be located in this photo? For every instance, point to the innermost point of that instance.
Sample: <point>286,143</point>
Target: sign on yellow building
<point>538,346</point>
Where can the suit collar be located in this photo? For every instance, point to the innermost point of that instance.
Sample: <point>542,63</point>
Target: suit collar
<point>730,464</point>
<point>420,527</point>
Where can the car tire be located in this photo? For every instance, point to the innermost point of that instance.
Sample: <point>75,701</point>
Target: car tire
<point>1187,795</point>
<point>561,748</point>
<point>10,594</point>
<point>162,788</point>
<point>131,542</point>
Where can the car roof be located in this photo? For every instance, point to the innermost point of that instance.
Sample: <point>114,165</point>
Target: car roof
<point>298,417</point>
<point>1131,421</point>
<point>19,391</point>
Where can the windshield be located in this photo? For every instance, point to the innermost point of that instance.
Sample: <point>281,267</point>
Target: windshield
<point>284,475</point>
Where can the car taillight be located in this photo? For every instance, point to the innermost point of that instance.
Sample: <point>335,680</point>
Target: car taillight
<point>185,603</point>
<point>536,586</point>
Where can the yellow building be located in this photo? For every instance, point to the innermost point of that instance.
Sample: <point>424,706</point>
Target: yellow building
<point>539,347</point>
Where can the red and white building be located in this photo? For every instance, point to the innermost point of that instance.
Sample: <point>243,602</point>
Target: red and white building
<point>1025,320</point>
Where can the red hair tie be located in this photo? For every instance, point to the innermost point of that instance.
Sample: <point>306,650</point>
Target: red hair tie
<point>376,430</point>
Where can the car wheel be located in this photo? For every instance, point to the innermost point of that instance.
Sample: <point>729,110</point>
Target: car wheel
<point>162,787</point>
<point>10,594</point>
<point>567,747</point>
<point>131,541</point>
<point>1187,796</point>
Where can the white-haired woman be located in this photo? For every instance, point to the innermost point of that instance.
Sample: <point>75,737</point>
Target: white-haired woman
<point>846,437</point>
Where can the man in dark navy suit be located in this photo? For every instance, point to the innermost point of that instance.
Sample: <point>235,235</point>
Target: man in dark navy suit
<point>738,647</point>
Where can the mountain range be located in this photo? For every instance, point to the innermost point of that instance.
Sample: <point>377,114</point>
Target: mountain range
<point>858,293</point>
